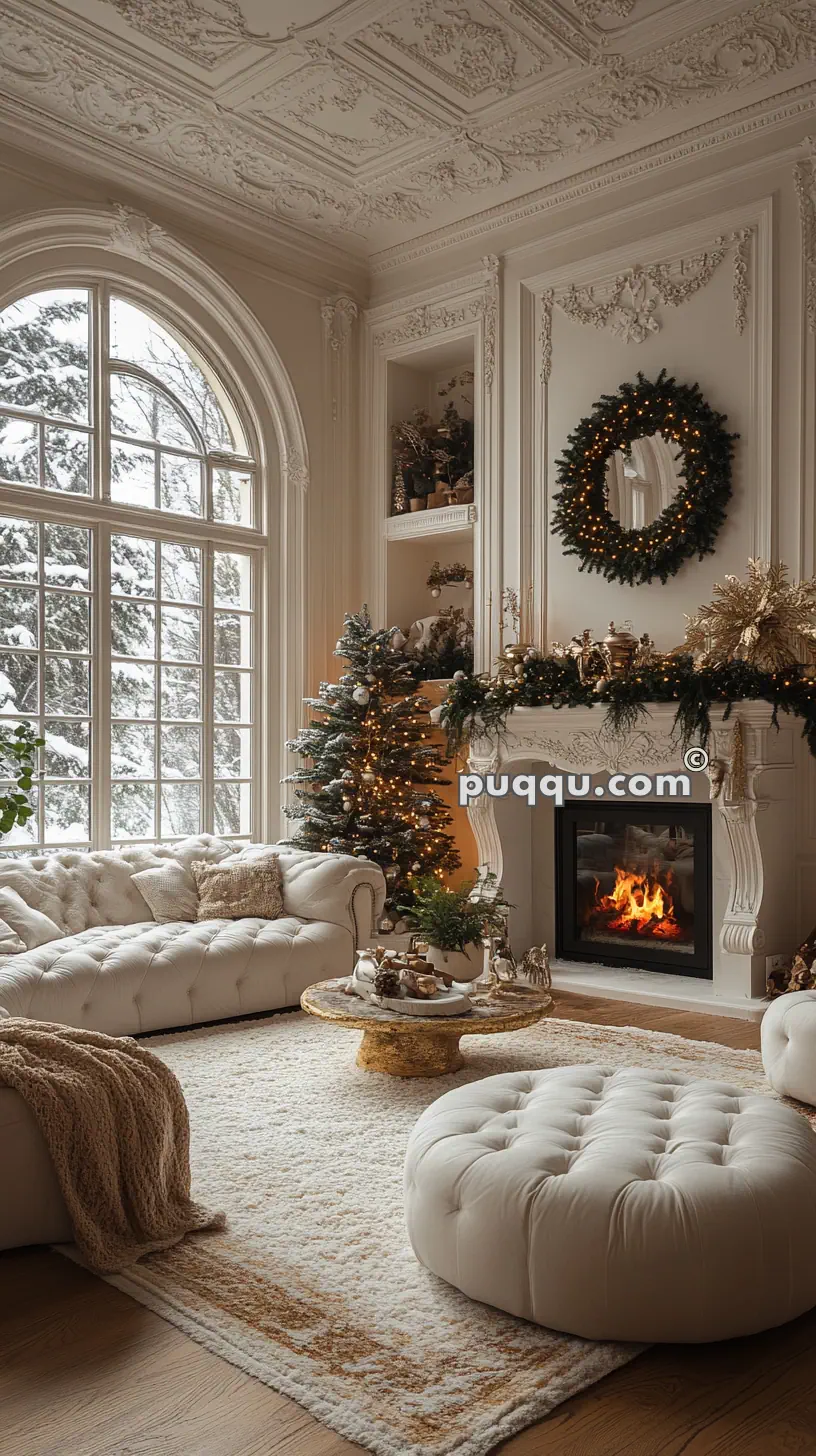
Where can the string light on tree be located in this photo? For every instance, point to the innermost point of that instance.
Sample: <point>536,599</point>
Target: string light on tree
<point>367,784</point>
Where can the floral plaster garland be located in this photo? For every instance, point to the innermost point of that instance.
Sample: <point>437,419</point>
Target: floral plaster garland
<point>689,524</point>
<point>479,707</point>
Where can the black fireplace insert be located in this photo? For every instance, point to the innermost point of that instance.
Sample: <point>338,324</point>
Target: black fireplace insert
<point>633,886</point>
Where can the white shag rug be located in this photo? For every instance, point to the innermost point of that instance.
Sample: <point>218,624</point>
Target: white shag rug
<point>313,1288</point>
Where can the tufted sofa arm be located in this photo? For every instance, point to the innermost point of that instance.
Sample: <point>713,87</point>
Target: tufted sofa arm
<point>338,888</point>
<point>788,1039</point>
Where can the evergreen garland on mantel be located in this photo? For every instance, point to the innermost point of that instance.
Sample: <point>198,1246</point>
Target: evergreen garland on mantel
<point>478,707</point>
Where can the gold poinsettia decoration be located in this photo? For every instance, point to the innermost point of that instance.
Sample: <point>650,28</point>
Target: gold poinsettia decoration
<point>765,620</point>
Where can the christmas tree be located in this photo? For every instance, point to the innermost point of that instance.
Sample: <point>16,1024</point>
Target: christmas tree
<point>369,786</point>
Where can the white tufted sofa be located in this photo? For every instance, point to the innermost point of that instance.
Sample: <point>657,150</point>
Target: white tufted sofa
<point>618,1205</point>
<point>119,971</point>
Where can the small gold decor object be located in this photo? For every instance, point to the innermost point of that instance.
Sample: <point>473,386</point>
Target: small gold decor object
<point>765,620</point>
<point>620,646</point>
<point>535,968</point>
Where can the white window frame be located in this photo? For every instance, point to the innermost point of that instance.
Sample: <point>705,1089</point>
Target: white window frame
<point>105,517</point>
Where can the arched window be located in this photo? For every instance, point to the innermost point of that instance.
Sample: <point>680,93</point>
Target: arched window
<point>128,572</point>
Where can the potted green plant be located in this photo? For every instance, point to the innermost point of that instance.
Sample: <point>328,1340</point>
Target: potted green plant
<point>18,761</point>
<point>455,922</point>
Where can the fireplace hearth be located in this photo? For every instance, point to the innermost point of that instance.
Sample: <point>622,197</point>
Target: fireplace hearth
<point>633,886</point>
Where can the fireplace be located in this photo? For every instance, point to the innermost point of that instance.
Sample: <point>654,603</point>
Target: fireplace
<point>633,885</point>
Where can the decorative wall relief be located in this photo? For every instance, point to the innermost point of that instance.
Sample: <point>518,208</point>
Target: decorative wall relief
<point>338,315</point>
<point>804,176</point>
<point>629,306</point>
<point>133,233</point>
<point>424,319</point>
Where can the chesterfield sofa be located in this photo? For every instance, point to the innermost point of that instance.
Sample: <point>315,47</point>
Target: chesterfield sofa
<point>119,971</point>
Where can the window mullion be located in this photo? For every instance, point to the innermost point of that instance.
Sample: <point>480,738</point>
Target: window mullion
<point>100,394</point>
<point>101,690</point>
<point>208,694</point>
<point>41,672</point>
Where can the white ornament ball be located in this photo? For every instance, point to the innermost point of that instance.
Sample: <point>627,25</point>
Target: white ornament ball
<point>424,822</point>
<point>370,677</point>
<point>435,714</point>
<point>459,675</point>
<point>416,866</point>
<point>347,806</point>
<point>386,925</point>
<point>361,695</point>
<point>369,778</point>
<point>338,646</point>
<point>435,591</point>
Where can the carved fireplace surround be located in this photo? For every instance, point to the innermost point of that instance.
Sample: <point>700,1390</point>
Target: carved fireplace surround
<point>753,840</point>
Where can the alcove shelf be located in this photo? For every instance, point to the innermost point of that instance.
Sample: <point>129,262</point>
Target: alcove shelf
<point>428,377</point>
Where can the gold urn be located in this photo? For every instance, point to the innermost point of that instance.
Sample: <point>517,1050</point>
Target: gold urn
<point>620,648</point>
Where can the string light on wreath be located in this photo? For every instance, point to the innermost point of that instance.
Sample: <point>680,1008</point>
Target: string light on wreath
<point>688,526</point>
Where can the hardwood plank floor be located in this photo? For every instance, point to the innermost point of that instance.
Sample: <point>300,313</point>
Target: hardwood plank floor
<point>84,1371</point>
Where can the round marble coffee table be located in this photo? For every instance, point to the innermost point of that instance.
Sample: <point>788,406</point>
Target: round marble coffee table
<point>415,1046</point>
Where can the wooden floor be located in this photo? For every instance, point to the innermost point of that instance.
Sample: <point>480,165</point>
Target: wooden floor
<point>84,1371</point>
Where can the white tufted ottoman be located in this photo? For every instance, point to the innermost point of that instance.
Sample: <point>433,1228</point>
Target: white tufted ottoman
<point>788,1037</point>
<point>618,1205</point>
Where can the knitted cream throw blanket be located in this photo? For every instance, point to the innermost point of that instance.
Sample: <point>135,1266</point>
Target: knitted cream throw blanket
<point>115,1122</point>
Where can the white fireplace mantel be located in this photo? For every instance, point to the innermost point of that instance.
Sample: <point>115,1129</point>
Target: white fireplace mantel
<point>753,841</point>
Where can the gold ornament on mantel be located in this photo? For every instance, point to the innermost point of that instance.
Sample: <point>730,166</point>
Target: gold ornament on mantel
<point>765,620</point>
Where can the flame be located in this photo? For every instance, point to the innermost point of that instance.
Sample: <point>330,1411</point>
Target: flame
<point>639,902</point>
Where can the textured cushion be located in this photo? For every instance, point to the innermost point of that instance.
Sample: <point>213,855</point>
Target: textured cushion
<point>170,892</point>
<point>618,1205</point>
<point>32,926</point>
<point>233,891</point>
<point>788,1037</point>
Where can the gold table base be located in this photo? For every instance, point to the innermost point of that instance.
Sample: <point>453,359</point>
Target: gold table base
<point>425,1054</point>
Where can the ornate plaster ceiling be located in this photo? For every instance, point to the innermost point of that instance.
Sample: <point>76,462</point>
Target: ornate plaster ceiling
<point>371,123</point>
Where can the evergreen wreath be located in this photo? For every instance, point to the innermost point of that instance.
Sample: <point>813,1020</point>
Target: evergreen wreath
<point>689,524</point>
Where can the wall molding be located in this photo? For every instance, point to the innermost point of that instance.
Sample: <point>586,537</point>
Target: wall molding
<point>627,305</point>
<point>746,235</point>
<point>467,307</point>
<point>804,178</point>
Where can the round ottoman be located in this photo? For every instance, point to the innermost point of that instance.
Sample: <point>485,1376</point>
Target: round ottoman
<point>788,1036</point>
<point>618,1205</point>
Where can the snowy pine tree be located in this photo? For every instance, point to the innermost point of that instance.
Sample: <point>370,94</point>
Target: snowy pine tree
<point>369,787</point>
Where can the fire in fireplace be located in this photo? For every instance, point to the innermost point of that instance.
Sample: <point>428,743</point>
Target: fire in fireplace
<point>634,886</point>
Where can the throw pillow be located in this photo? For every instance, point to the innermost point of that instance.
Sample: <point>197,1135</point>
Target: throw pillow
<point>32,926</point>
<point>170,892</point>
<point>233,891</point>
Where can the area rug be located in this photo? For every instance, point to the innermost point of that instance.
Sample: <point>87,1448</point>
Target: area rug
<point>313,1288</point>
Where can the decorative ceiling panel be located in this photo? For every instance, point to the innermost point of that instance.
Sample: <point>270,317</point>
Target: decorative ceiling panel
<point>367,121</point>
<point>473,52</point>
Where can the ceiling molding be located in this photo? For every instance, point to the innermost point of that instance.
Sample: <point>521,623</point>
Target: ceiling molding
<point>358,125</point>
<point>594,181</point>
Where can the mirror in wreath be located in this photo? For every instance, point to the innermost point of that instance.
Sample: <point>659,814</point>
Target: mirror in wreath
<point>644,481</point>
